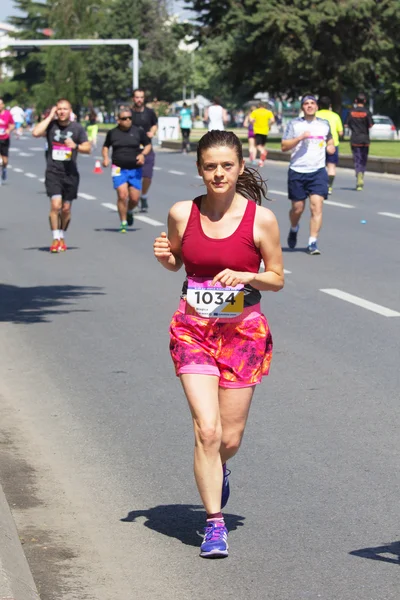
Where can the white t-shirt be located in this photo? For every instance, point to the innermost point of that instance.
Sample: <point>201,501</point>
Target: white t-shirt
<point>309,155</point>
<point>17,114</point>
<point>215,117</point>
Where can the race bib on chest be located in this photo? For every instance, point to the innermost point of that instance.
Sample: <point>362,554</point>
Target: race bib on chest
<point>115,171</point>
<point>214,301</point>
<point>61,152</point>
<point>317,140</point>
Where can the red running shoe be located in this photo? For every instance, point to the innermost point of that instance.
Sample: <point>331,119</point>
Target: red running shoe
<point>55,247</point>
<point>62,246</point>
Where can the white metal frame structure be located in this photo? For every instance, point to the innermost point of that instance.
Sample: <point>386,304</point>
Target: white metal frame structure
<point>83,44</point>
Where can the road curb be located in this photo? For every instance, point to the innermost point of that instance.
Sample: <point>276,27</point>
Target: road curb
<point>376,164</point>
<point>16,581</point>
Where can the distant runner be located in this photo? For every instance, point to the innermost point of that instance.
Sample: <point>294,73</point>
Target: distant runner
<point>262,119</point>
<point>359,121</point>
<point>130,146</point>
<point>309,139</point>
<point>185,122</point>
<point>335,122</point>
<point>65,139</point>
<point>146,119</point>
<point>6,127</point>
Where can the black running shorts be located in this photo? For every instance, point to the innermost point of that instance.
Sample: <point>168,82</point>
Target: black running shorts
<point>62,185</point>
<point>4,146</point>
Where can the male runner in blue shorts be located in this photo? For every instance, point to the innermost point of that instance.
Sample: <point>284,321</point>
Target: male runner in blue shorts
<point>130,146</point>
<point>309,138</point>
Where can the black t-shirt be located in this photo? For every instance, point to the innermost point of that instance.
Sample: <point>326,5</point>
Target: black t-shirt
<point>359,120</point>
<point>144,119</point>
<point>126,146</point>
<point>62,159</point>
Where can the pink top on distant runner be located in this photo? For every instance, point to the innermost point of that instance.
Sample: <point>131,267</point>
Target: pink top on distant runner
<point>5,121</point>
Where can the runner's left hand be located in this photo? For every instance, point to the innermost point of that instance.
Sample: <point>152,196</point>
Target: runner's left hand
<point>70,143</point>
<point>140,159</point>
<point>232,278</point>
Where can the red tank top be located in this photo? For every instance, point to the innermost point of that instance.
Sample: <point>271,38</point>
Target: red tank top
<point>205,257</point>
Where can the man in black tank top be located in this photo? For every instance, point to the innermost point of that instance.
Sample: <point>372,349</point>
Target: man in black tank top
<point>146,119</point>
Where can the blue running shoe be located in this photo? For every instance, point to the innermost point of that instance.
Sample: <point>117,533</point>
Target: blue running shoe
<point>313,249</point>
<point>225,486</point>
<point>215,542</point>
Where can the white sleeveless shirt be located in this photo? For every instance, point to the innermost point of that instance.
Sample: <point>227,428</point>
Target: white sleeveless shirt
<point>215,120</point>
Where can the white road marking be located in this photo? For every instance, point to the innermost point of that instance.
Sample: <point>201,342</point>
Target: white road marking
<point>37,149</point>
<point>277,192</point>
<point>25,154</point>
<point>157,168</point>
<point>42,179</point>
<point>30,175</point>
<point>340,204</point>
<point>377,308</point>
<point>148,220</point>
<point>17,170</point>
<point>86,196</point>
<point>14,150</point>
<point>176,172</point>
<point>136,217</point>
<point>393,215</point>
<point>287,272</point>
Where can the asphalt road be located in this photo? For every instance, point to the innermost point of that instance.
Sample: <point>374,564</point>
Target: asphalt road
<point>92,407</point>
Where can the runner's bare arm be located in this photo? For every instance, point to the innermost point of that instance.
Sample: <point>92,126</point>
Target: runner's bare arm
<point>167,250</point>
<point>105,156</point>
<point>82,148</point>
<point>267,238</point>
<point>287,145</point>
<point>40,129</point>
<point>330,146</point>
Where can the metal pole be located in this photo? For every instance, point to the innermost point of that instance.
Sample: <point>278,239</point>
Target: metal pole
<point>135,64</point>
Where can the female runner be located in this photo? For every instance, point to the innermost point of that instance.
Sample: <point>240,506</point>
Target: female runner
<point>221,344</point>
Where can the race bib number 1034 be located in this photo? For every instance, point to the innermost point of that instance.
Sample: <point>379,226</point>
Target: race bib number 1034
<point>214,301</point>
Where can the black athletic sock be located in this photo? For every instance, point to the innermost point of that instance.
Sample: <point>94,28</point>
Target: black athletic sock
<point>330,180</point>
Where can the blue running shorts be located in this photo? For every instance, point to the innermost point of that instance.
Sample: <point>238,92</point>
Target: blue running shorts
<point>302,185</point>
<point>333,158</point>
<point>133,177</point>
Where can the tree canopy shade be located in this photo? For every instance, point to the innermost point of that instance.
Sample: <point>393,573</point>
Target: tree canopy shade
<point>102,75</point>
<point>293,46</point>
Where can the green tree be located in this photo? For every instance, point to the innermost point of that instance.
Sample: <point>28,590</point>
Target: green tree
<point>293,46</point>
<point>28,65</point>
<point>66,70</point>
<point>162,65</point>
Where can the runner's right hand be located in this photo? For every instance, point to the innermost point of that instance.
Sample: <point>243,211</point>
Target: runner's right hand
<point>106,162</point>
<point>162,247</point>
<point>53,112</point>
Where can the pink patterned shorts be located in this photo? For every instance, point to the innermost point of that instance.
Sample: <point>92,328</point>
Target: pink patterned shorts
<point>238,351</point>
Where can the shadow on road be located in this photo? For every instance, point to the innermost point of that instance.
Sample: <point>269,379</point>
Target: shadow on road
<point>47,248</point>
<point>116,230</point>
<point>284,249</point>
<point>378,553</point>
<point>185,522</point>
<point>35,304</point>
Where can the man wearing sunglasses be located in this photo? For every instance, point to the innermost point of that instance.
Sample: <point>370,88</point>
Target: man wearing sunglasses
<point>130,145</point>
